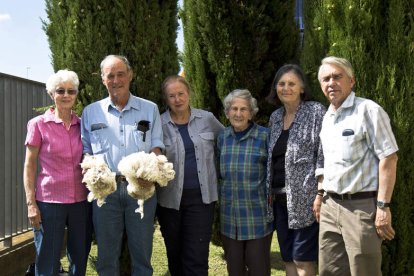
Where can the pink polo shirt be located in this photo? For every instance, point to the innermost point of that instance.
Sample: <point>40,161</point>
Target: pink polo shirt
<point>60,154</point>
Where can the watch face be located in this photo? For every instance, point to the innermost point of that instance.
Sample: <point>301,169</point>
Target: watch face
<point>382,204</point>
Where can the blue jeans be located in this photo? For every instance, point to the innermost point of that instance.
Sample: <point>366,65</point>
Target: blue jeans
<point>110,220</point>
<point>76,217</point>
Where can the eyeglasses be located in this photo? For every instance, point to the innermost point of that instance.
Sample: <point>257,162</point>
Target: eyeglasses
<point>61,91</point>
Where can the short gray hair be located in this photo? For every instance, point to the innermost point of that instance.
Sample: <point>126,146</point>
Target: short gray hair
<point>120,57</point>
<point>59,78</point>
<point>242,94</point>
<point>342,63</point>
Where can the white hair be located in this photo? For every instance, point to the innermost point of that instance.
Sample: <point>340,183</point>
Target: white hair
<point>60,77</point>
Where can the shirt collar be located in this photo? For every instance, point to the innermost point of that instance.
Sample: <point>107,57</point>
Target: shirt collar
<point>132,103</point>
<point>349,102</point>
<point>193,114</point>
<point>50,117</point>
<point>253,132</point>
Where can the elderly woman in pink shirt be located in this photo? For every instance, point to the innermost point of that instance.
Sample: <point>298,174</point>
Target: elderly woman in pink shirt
<point>56,198</point>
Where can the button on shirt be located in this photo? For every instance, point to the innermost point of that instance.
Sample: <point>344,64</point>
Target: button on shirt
<point>203,129</point>
<point>354,139</point>
<point>243,190</point>
<point>114,134</point>
<point>60,154</point>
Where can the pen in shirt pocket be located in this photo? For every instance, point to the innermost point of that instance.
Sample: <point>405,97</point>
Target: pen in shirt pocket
<point>143,126</point>
<point>347,132</point>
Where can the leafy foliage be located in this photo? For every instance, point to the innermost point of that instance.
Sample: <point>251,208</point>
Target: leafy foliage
<point>236,44</point>
<point>377,37</point>
<point>82,33</point>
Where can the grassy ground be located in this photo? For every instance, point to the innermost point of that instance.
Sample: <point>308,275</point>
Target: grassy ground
<point>217,265</point>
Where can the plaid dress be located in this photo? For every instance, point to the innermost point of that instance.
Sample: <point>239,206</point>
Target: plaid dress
<point>243,193</point>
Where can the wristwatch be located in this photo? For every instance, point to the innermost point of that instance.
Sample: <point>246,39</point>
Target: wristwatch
<point>382,204</point>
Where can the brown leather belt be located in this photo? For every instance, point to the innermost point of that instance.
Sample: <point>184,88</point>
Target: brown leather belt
<point>120,178</point>
<point>360,195</point>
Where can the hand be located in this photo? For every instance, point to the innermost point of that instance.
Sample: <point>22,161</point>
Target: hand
<point>84,171</point>
<point>383,224</point>
<point>317,207</point>
<point>145,183</point>
<point>33,213</point>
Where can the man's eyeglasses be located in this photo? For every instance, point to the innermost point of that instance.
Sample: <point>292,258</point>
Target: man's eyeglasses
<point>61,91</point>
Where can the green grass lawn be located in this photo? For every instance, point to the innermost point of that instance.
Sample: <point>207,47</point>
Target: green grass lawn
<point>217,265</point>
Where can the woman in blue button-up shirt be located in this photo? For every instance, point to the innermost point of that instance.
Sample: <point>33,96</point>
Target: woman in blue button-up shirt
<point>186,205</point>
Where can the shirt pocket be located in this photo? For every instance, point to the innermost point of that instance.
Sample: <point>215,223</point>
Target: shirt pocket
<point>170,148</point>
<point>99,141</point>
<point>352,147</point>
<point>141,140</point>
<point>207,144</point>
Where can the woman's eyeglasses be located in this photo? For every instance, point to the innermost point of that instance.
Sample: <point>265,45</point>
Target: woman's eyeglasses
<point>70,91</point>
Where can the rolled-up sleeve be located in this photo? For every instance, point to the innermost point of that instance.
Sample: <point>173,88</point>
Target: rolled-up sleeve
<point>156,132</point>
<point>86,142</point>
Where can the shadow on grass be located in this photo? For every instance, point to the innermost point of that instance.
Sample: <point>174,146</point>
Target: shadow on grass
<point>276,261</point>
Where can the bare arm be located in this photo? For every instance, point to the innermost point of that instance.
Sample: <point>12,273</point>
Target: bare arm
<point>387,176</point>
<point>29,176</point>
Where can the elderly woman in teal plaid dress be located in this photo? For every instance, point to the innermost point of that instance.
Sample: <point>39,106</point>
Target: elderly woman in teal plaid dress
<point>244,206</point>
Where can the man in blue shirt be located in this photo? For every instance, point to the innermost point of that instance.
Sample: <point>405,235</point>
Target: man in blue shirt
<point>115,127</point>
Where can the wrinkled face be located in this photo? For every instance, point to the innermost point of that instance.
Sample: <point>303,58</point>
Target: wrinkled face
<point>335,84</point>
<point>239,114</point>
<point>289,88</point>
<point>64,95</point>
<point>116,77</point>
<point>177,97</point>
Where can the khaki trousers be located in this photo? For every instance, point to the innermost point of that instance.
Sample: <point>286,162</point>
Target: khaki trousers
<point>348,242</point>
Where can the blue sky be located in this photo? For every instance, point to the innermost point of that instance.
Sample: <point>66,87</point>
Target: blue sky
<point>24,49</point>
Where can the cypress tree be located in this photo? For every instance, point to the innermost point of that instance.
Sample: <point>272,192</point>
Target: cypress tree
<point>82,33</point>
<point>236,44</point>
<point>377,37</point>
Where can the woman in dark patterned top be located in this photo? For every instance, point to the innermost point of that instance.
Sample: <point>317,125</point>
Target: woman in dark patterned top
<point>294,154</point>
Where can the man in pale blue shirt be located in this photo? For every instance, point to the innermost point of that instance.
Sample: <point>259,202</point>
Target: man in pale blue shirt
<point>358,176</point>
<point>115,127</point>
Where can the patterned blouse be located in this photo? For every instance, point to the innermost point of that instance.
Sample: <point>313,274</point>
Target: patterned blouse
<point>303,156</point>
<point>243,192</point>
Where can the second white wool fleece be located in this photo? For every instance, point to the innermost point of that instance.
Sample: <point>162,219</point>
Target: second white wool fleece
<point>147,166</point>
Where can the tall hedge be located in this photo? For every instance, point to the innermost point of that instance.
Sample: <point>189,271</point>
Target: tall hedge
<point>377,37</point>
<point>82,33</point>
<point>236,44</point>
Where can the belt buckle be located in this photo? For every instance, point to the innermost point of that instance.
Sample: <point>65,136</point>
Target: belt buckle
<point>346,196</point>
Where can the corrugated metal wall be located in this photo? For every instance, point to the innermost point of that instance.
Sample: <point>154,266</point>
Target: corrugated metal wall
<point>18,98</point>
